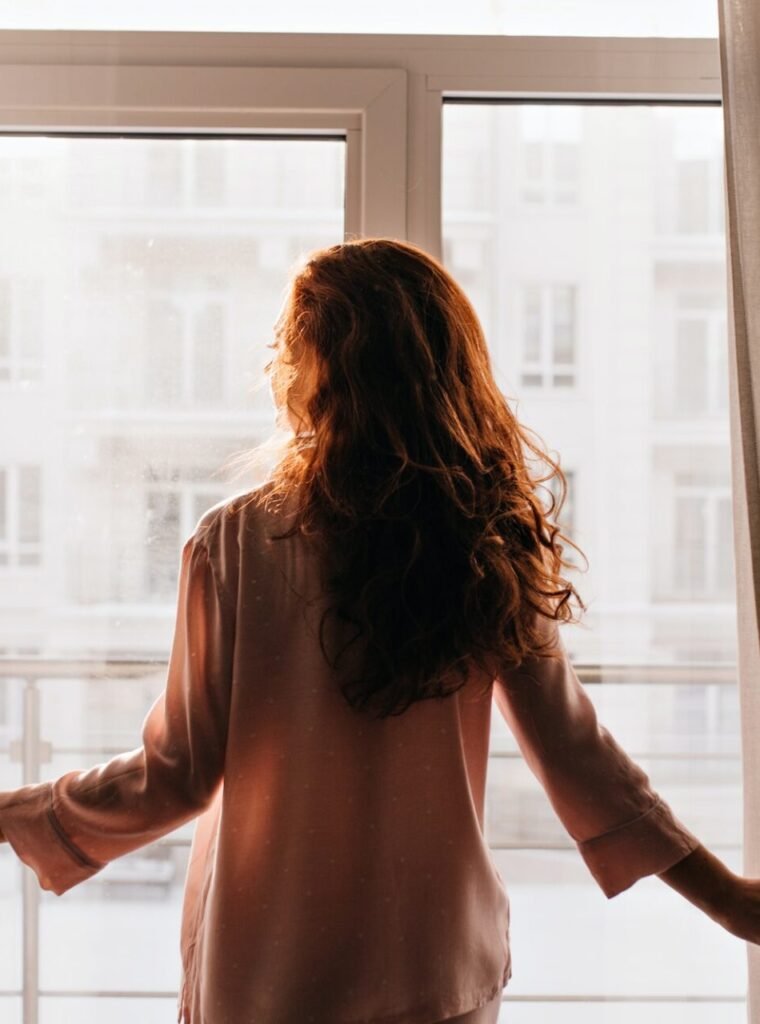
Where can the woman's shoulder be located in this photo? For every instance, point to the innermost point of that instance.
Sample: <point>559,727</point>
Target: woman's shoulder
<point>239,515</point>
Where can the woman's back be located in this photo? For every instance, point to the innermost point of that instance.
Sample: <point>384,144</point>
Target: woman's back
<point>350,880</point>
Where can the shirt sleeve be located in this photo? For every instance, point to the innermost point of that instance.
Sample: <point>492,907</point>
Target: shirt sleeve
<point>68,829</point>
<point>621,826</point>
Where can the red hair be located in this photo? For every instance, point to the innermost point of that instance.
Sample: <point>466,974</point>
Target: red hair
<point>413,479</point>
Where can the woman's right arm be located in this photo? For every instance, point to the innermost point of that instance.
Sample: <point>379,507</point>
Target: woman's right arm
<point>622,827</point>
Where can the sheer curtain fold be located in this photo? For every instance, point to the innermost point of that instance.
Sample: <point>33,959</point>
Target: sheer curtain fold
<point>739,38</point>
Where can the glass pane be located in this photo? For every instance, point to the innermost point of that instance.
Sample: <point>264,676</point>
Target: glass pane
<point>650,512</point>
<point>162,542</point>
<point>163,346</point>
<point>5,320</point>
<point>208,354</point>
<point>693,195</point>
<point>481,17</point>
<point>628,349</point>
<point>691,367</point>
<point>29,504</point>
<point>691,532</point>
<point>564,324</point>
<point>3,504</point>
<point>147,300</point>
<point>72,1010</point>
<point>532,331</point>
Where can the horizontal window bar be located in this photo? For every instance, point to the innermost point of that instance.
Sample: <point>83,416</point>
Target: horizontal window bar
<point>643,755</point>
<point>286,135</point>
<point>136,994</point>
<point>695,674</point>
<point>585,101</point>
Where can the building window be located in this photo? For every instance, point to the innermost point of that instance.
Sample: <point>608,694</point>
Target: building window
<point>209,173</point>
<point>703,562</point>
<point>690,158</point>
<point>701,356</point>
<point>20,515</point>
<point>21,329</point>
<point>185,355</point>
<point>172,511</point>
<point>690,365</point>
<point>549,336</point>
<point>550,154</point>
<point>164,178</point>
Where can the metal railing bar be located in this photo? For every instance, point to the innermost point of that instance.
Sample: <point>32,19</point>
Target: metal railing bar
<point>522,998</point>
<point>590,672</point>
<point>645,755</point>
<point>538,847</point>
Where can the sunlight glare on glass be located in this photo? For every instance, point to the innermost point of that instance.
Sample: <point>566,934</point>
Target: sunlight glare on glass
<point>652,18</point>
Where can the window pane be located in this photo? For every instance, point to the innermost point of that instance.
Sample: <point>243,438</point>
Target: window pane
<point>691,367</point>
<point>651,501</point>
<point>691,531</point>
<point>5,321</point>
<point>208,354</point>
<point>693,196</point>
<point>163,539</point>
<point>482,17</point>
<point>29,529</point>
<point>147,300</point>
<point>564,325</point>
<point>3,504</point>
<point>532,333</point>
<point>164,361</point>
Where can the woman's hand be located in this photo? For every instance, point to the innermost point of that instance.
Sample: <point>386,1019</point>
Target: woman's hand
<point>729,899</point>
<point>741,916</point>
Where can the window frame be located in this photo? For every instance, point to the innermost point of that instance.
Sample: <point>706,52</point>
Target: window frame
<point>385,93</point>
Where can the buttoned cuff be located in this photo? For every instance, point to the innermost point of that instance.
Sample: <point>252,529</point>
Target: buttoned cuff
<point>648,845</point>
<point>32,828</point>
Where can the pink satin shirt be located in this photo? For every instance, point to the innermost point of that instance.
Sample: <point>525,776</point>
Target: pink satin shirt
<point>339,872</point>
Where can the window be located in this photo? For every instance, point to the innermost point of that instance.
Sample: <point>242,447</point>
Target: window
<point>189,366</point>
<point>224,159</point>
<point>549,332</point>
<point>703,563</point>
<point>551,151</point>
<point>20,516</point>
<point>693,553</point>
<point>689,174</point>
<point>21,329</point>
<point>641,420</point>
<point>701,357</point>
<point>171,513</point>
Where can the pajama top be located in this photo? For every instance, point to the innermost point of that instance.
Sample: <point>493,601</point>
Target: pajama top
<point>338,872</point>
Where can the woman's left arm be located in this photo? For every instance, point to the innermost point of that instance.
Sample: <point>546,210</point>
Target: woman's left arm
<point>68,829</point>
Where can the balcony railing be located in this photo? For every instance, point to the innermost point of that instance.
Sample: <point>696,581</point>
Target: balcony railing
<point>33,751</point>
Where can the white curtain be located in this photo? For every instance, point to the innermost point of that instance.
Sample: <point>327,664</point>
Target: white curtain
<point>739,22</point>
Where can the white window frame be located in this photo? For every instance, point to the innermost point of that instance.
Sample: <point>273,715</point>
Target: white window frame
<point>383,92</point>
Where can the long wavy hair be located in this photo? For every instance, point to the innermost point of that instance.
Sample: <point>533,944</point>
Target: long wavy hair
<point>411,474</point>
